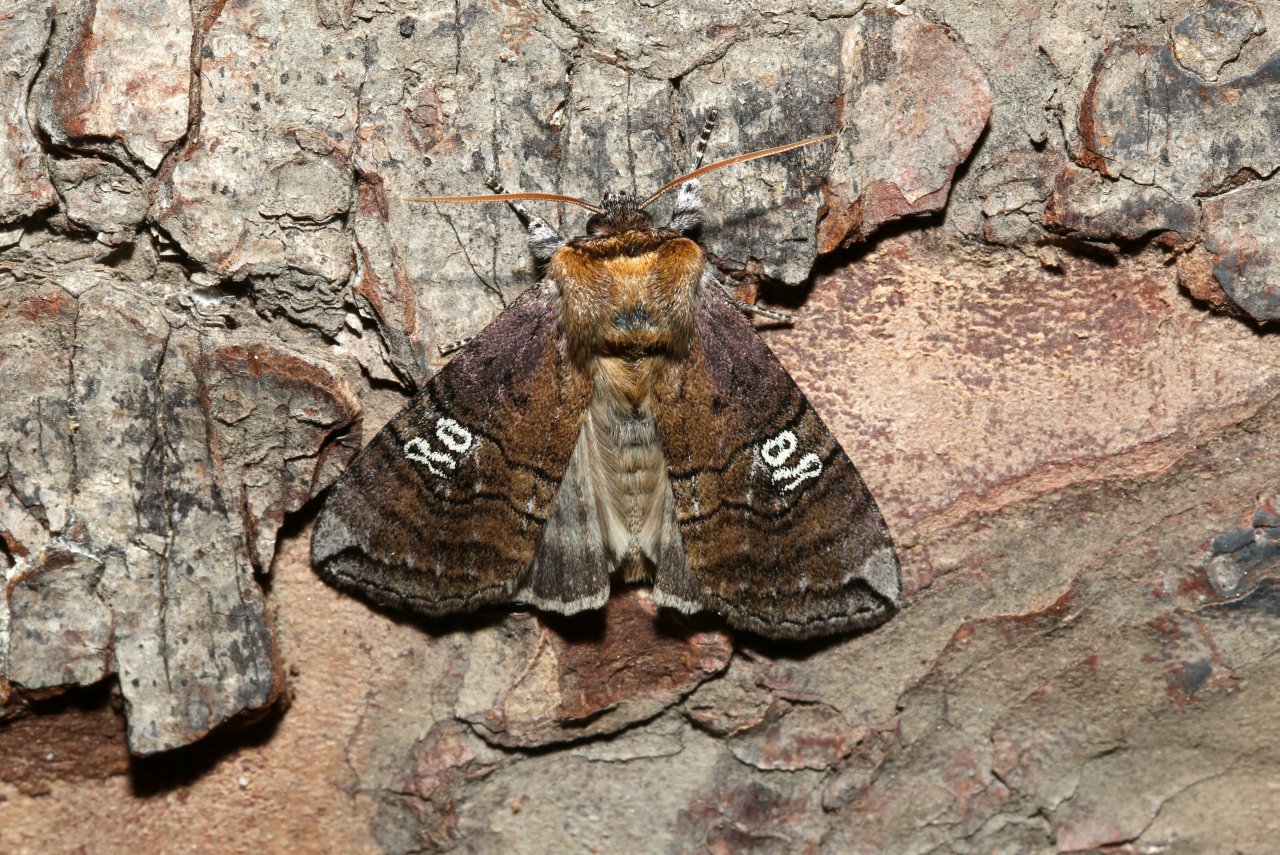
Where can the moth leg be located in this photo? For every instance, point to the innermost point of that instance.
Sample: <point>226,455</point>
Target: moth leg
<point>743,306</point>
<point>700,147</point>
<point>543,240</point>
<point>453,346</point>
<point>753,309</point>
<point>687,214</point>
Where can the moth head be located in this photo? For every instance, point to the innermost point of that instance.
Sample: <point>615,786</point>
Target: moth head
<point>621,212</point>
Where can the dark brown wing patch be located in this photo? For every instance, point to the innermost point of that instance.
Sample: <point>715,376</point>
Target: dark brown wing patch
<point>779,532</point>
<point>443,511</point>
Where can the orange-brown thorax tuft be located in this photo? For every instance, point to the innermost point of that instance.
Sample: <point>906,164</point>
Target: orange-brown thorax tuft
<point>628,295</point>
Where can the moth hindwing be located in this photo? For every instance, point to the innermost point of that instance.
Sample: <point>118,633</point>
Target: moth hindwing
<point>621,420</point>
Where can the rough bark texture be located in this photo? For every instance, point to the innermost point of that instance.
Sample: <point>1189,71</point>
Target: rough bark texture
<point>1043,326</point>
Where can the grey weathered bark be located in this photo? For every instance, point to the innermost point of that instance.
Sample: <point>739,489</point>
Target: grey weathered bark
<point>1042,326</point>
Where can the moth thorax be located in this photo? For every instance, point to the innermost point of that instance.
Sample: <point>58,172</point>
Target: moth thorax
<point>630,295</point>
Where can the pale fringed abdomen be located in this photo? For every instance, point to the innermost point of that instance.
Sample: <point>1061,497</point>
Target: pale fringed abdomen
<point>628,469</point>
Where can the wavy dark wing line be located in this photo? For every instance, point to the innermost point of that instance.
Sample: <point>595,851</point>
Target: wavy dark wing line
<point>779,532</point>
<point>444,509</point>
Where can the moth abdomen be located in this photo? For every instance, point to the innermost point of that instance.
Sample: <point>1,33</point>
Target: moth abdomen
<point>629,473</point>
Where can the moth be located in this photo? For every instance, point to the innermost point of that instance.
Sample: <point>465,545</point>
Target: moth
<point>620,420</point>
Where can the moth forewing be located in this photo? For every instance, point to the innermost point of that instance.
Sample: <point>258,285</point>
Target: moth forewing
<point>779,532</point>
<point>444,509</point>
<point>623,419</point>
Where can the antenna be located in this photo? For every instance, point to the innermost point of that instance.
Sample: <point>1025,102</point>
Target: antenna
<point>721,164</point>
<point>512,197</point>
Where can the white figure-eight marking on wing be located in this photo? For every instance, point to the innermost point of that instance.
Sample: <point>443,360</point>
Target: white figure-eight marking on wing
<point>451,435</point>
<point>777,451</point>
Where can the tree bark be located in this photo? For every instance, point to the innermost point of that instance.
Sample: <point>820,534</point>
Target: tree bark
<point>1033,280</point>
